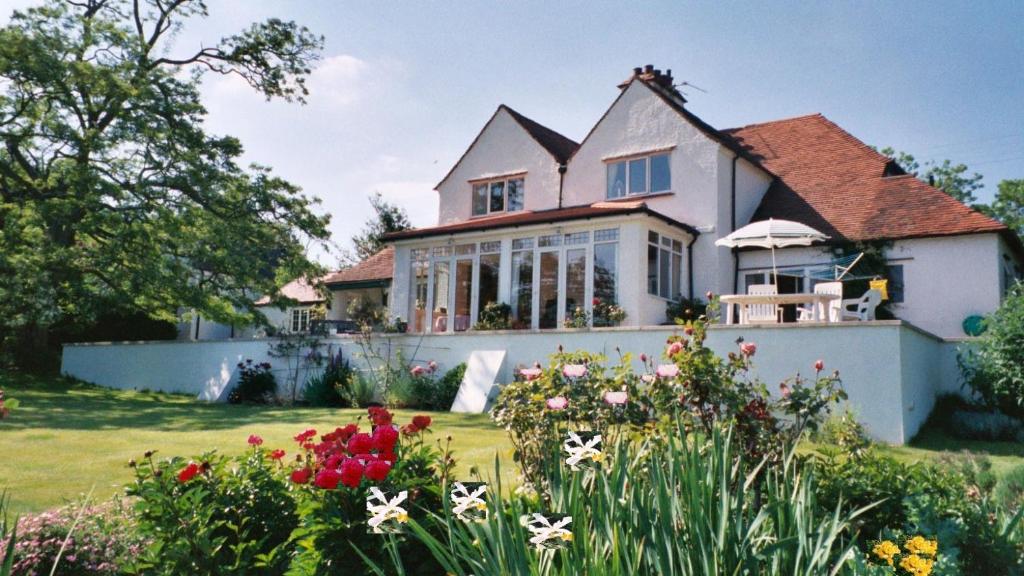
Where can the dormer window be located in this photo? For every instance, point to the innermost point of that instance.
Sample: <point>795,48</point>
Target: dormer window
<point>499,195</point>
<point>639,175</point>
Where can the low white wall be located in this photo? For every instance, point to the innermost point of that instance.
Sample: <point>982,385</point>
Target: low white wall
<point>890,370</point>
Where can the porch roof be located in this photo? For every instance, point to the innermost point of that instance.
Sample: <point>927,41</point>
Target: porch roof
<point>519,219</point>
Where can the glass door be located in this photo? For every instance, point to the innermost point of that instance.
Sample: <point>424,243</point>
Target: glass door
<point>442,280</point>
<point>575,282</point>
<point>463,294</point>
<point>548,288</point>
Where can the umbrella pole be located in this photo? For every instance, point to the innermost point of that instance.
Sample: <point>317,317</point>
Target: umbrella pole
<point>775,270</point>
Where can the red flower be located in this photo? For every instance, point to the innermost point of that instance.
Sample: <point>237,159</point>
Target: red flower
<point>748,348</point>
<point>255,440</point>
<point>277,455</point>
<point>819,365</point>
<point>596,302</point>
<point>379,416</point>
<point>384,438</point>
<point>421,422</point>
<point>304,436</point>
<point>410,430</point>
<point>377,470</point>
<point>334,460</point>
<point>327,479</point>
<point>351,473</point>
<point>360,443</point>
<point>301,476</point>
<point>188,472</point>
<point>387,456</point>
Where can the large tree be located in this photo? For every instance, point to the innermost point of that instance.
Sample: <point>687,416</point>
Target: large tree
<point>112,192</point>
<point>387,218</point>
<point>953,179</point>
<point>1008,206</point>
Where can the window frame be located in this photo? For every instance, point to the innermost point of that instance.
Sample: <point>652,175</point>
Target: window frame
<point>661,246</point>
<point>626,162</point>
<point>299,315</point>
<point>504,181</point>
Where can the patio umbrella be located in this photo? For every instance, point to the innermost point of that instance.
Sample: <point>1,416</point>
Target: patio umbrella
<point>772,234</point>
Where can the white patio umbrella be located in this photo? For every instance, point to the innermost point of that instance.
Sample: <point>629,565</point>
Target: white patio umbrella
<point>772,234</point>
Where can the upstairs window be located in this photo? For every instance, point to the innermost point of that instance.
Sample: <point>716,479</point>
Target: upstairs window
<point>644,175</point>
<point>505,195</point>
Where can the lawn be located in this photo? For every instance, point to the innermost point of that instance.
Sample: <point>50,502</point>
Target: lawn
<point>67,439</point>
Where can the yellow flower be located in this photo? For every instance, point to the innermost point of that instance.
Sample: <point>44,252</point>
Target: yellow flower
<point>922,547</point>
<point>916,565</point>
<point>885,550</point>
<point>597,457</point>
<point>481,506</point>
<point>402,517</point>
<point>567,536</point>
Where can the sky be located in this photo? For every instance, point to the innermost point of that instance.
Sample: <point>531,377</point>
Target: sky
<point>404,87</point>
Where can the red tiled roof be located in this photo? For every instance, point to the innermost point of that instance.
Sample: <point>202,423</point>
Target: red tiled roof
<point>517,219</point>
<point>832,181</point>
<point>378,267</point>
<point>299,290</point>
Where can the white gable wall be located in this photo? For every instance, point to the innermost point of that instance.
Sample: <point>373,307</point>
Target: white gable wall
<point>503,147</point>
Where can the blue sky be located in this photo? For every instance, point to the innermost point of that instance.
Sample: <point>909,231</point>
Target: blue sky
<point>405,86</point>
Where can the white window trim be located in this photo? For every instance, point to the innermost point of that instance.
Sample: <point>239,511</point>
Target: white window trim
<point>646,156</point>
<point>505,179</point>
<point>296,314</point>
<point>682,264</point>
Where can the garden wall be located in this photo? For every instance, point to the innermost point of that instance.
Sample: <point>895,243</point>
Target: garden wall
<point>891,370</point>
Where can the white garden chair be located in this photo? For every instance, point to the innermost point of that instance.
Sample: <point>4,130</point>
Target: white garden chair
<point>835,307</point>
<point>862,308</point>
<point>762,313</point>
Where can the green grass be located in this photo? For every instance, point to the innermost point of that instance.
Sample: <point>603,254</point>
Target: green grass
<point>68,438</point>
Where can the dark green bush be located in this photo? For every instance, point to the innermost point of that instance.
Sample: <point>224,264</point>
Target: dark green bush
<point>994,369</point>
<point>428,392</point>
<point>332,386</point>
<point>256,384</point>
<point>685,309</point>
<point>494,316</point>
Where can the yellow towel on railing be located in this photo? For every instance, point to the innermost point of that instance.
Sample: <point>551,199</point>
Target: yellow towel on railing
<point>882,285</point>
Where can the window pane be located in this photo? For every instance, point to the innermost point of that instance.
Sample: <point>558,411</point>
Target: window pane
<point>489,265</point>
<point>664,274</point>
<point>577,238</point>
<point>463,249</point>
<point>549,289</point>
<point>604,272</point>
<point>638,176</point>
<point>606,235</point>
<point>522,244</point>
<point>497,196</point>
<point>652,237</point>
<point>617,180</point>
<point>486,247</point>
<point>661,180</point>
<point>895,288</point>
<point>522,289</point>
<point>463,293</point>
<point>677,246</point>
<point>652,269</point>
<point>677,269</point>
<point>575,280</point>
<point>515,194</point>
<point>418,296</point>
<point>479,199</point>
<point>552,240</point>
<point>440,297</point>
<point>442,251</point>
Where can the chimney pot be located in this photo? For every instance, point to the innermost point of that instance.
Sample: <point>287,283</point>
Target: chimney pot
<point>637,71</point>
<point>649,68</point>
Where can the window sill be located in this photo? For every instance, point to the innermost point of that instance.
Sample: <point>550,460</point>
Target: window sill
<point>635,197</point>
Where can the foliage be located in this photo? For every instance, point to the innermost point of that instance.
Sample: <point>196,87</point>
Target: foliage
<point>579,318</point>
<point>1009,490</point>
<point>6,405</point>
<point>685,309</point>
<point>78,540</point>
<point>362,392</point>
<point>845,432</point>
<point>365,312</point>
<point>916,557</point>
<point>112,190</point>
<point>214,515</point>
<point>433,391</point>
<point>680,506</point>
<point>1008,206</point>
<point>301,353</point>
<point>8,537</point>
<point>608,313</point>
<point>387,218</point>
<point>332,386</point>
<point>494,316</point>
<point>256,384</point>
<point>946,176</point>
<point>994,369</point>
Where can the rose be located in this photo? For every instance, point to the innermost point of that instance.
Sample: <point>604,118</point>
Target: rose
<point>377,470</point>
<point>668,371</point>
<point>557,403</point>
<point>384,438</point>
<point>360,443</point>
<point>416,371</point>
<point>574,370</point>
<point>422,422</point>
<point>303,436</point>
<point>596,302</point>
<point>784,390</point>
<point>674,348</point>
<point>188,472</point>
<point>277,455</point>
<point>819,365</point>
<point>255,440</point>
<point>643,358</point>
<point>748,348</point>
<point>432,366</point>
<point>615,398</point>
<point>531,374</point>
<point>301,476</point>
<point>351,472</point>
<point>648,378</point>
<point>327,479</point>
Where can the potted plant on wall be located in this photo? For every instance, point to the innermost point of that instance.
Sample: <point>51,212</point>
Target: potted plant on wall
<point>607,313</point>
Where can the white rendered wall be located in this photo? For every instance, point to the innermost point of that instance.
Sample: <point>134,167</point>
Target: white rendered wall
<point>503,147</point>
<point>888,368</point>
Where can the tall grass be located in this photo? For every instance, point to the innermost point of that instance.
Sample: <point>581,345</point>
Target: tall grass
<point>8,536</point>
<point>676,507</point>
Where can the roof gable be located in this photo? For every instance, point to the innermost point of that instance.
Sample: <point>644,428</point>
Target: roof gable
<point>378,267</point>
<point>558,146</point>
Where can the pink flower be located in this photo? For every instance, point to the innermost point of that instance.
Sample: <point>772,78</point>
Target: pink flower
<point>615,398</point>
<point>432,365</point>
<point>531,374</point>
<point>557,403</point>
<point>668,371</point>
<point>255,440</point>
<point>819,365</point>
<point>643,358</point>
<point>674,348</point>
<point>574,370</point>
<point>649,378</point>
<point>784,390</point>
<point>709,295</point>
<point>416,371</point>
<point>748,348</point>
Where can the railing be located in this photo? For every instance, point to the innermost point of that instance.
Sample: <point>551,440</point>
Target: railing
<point>340,326</point>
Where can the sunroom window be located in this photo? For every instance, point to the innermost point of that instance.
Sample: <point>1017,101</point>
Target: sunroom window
<point>643,175</point>
<point>664,265</point>
<point>496,196</point>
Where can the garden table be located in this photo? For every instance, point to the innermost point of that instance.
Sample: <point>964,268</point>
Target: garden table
<point>819,303</point>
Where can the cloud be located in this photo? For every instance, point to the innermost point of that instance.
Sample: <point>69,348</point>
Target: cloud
<point>418,199</point>
<point>338,80</point>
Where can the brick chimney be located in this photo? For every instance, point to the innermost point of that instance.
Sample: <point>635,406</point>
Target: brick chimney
<point>654,77</point>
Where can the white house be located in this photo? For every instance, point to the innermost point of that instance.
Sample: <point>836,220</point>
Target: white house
<point>630,215</point>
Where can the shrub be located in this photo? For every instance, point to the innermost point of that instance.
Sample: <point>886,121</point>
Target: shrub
<point>256,384</point>
<point>1010,488</point>
<point>682,310</point>
<point>361,393</point>
<point>87,539</point>
<point>494,316</point>
<point>430,392</point>
<point>6,405</point>
<point>845,432</point>
<point>994,370</point>
<point>607,313</point>
<point>332,385</point>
